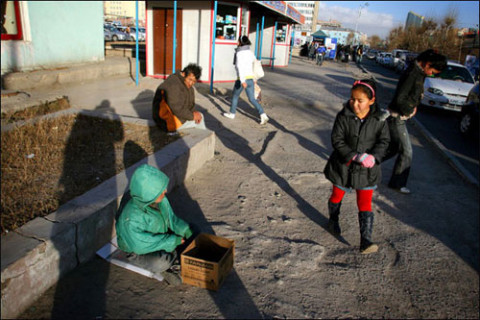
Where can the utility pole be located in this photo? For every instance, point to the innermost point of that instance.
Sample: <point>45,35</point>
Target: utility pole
<point>363,5</point>
<point>315,16</point>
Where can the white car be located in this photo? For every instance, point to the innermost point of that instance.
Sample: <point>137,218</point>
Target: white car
<point>448,89</point>
<point>141,34</point>
<point>387,60</point>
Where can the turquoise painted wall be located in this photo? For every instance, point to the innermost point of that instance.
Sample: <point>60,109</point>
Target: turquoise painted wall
<point>61,33</point>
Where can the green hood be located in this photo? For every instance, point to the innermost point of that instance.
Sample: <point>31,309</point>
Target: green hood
<point>147,184</point>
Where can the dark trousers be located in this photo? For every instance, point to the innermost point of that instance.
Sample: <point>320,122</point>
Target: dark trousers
<point>399,144</point>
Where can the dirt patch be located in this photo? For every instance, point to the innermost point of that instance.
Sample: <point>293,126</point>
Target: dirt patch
<point>50,162</point>
<point>30,113</point>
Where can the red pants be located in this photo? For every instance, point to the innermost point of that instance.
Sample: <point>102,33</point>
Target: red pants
<point>364,198</point>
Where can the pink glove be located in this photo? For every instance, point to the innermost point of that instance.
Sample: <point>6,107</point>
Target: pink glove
<point>369,161</point>
<point>365,159</point>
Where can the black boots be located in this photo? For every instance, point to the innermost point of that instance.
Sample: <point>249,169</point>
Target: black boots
<point>365,219</point>
<point>334,211</point>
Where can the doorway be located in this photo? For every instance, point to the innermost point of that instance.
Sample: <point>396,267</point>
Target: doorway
<point>163,41</point>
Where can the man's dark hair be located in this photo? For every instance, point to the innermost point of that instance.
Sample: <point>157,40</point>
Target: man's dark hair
<point>193,68</point>
<point>437,60</point>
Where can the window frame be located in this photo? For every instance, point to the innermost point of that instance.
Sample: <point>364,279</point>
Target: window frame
<point>238,25</point>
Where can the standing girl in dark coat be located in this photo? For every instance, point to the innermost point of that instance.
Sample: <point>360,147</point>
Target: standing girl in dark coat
<point>360,139</point>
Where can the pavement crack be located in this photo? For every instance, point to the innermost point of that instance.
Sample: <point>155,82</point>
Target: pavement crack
<point>267,140</point>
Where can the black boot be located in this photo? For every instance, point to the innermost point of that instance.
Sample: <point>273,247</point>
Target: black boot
<point>334,211</point>
<point>365,219</point>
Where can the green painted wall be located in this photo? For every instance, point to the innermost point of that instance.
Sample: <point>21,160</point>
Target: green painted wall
<point>60,33</point>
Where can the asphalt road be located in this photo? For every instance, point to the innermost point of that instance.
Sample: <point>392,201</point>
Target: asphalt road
<point>442,124</point>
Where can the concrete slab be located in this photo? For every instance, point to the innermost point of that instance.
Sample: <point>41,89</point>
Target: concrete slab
<point>39,253</point>
<point>63,75</point>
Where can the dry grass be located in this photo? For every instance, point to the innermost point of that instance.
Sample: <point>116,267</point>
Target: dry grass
<point>29,113</point>
<point>52,161</point>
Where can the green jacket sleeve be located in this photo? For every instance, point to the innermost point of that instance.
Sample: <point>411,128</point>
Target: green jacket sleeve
<point>177,225</point>
<point>152,242</point>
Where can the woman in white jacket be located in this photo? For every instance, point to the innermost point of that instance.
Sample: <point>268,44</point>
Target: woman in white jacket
<point>243,61</point>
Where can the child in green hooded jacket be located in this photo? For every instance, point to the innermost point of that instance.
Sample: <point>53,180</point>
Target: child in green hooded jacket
<point>147,228</point>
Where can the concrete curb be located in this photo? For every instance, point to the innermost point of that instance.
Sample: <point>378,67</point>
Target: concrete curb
<point>454,163</point>
<point>77,73</point>
<point>35,256</point>
<point>464,173</point>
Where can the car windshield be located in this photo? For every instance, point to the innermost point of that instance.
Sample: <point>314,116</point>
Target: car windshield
<point>455,73</point>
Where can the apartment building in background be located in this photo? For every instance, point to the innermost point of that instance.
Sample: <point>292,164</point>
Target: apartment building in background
<point>414,20</point>
<point>124,11</point>
<point>309,9</point>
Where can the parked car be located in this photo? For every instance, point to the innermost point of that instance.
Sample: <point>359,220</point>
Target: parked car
<point>403,64</point>
<point>387,60</point>
<point>398,56</point>
<point>469,117</point>
<point>133,33</point>
<point>379,57</point>
<point>371,54</point>
<point>113,33</point>
<point>448,89</point>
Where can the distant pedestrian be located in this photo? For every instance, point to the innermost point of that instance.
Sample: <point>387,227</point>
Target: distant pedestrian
<point>320,54</point>
<point>360,139</point>
<point>403,107</point>
<point>359,54</point>
<point>312,51</point>
<point>243,61</point>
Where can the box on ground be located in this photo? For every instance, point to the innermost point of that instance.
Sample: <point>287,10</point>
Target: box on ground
<point>207,261</point>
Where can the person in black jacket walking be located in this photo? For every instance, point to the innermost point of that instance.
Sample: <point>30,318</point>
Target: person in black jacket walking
<point>403,107</point>
<point>360,139</point>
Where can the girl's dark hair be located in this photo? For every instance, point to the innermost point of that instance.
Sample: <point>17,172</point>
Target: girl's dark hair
<point>437,60</point>
<point>193,68</point>
<point>366,85</point>
<point>244,41</point>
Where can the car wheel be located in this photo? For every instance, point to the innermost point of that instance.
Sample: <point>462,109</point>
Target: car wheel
<point>114,38</point>
<point>466,123</point>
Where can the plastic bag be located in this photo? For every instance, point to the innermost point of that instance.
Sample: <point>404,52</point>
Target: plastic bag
<point>258,69</point>
<point>258,92</point>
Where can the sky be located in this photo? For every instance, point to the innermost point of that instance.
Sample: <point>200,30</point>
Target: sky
<point>379,17</point>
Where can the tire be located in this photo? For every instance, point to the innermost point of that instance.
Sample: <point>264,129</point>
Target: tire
<point>466,122</point>
<point>114,38</point>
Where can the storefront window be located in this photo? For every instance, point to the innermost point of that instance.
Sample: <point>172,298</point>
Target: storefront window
<point>11,24</point>
<point>227,22</point>
<point>281,36</point>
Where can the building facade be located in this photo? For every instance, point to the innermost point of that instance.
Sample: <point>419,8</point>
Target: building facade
<point>309,9</point>
<point>207,33</point>
<point>344,36</point>
<point>45,34</point>
<point>414,20</point>
<point>124,11</point>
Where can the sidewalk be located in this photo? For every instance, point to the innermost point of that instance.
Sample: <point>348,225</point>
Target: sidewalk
<point>265,189</point>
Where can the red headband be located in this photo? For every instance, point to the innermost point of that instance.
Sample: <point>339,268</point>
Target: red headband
<point>358,82</point>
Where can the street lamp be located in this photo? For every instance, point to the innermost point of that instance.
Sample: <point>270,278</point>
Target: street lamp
<point>363,5</point>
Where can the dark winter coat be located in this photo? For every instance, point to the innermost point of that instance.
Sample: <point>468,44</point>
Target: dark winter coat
<point>349,137</point>
<point>409,90</point>
<point>179,98</point>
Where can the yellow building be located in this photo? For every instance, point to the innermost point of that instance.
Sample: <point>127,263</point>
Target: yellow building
<point>124,11</point>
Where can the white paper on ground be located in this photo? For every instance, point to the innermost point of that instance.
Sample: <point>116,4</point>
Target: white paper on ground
<point>112,254</point>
